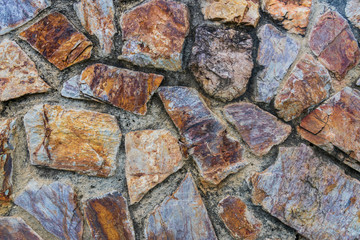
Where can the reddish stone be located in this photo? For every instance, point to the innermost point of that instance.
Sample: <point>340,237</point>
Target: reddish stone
<point>14,228</point>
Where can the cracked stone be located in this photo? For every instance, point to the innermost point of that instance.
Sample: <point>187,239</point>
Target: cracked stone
<point>181,216</point>
<point>58,41</point>
<point>75,140</point>
<point>221,61</point>
<point>97,17</point>
<point>352,12</point>
<point>154,33</point>
<point>55,207</point>
<point>258,128</point>
<point>309,84</point>
<point>276,53</point>
<point>15,13</point>
<point>151,156</point>
<point>238,219</point>
<point>293,14</point>
<point>302,191</point>
<point>109,218</point>
<point>14,228</point>
<point>216,153</point>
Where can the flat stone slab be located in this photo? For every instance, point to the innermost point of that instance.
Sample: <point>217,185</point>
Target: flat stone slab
<point>14,228</point>
<point>311,195</point>
<point>182,216</point>
<point>58,41</point>
<point>216,153</point>
<point>151,156</point>
<point>55,207</point>
<point>258,128</point>
<point>352,12</point>
<point>109,218</point>
<point>154,33</point>
<point>75,140</point>
<point>221,61</point>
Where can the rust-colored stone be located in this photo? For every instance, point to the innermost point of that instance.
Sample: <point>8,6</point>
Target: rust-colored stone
<point>215,152</point>
<point>154,33</point>
<point>75,140</point>
<point>151,156</point>
<point>352,12</point>
<point>14,228</point>
<point>58,41</point>
<point>109,218</point>
<point>237,218</point>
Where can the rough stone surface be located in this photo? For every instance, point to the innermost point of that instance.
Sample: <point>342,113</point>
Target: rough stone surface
<point>58,41</point>
<point>238,219</point>
<point>151,156</point>
<point>109,218</point>
<point>276,53</point>
<point>55,207</point>
<point>215,152</point>
<point>14,13</point>
<point>14,228</point>
<point>258,128</point>
<point>71,88</point>
<point>352,12</point>
<point>154,34</point>
<point>18,73</point>
<point>76,140</point>
<point>181,216</point>
<point>313,196</point>
<point>308,84</point>
<point>97,17</point>
<point>221,61</point>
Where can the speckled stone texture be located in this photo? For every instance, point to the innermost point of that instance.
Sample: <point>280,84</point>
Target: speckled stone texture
<point>14,228</point>
<point>352,12</point>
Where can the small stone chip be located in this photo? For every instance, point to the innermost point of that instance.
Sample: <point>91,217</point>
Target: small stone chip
<point>14,228</point>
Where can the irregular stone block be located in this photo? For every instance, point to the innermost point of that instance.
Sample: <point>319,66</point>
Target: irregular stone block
<point>18,73</point>
<point>55,207</point>
<point>293,14</point>
<point>276,53</point>
<point>308,84</point>
<point>75,140</point>
<point>336,123</point>
<point>181,216</point>
<point>151,156</point>
<point>109,218</point>
<point>215,152</point>
<point>58,41</point>
<point>154,33</point>
<point>240,222</point>
<point>71,88</point>
<point>352,12</point>
<point>221,61</point>
<point>97,17</point>
<point>14,13</point>
<point>258,128</point>
<point>313,196</point>
<point>14,228</point>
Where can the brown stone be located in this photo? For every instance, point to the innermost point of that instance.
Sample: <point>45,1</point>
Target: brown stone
<point>75,140</point>
<point>154,33</point>
<point>222,61</point>
<point>258,128</point>
<point>238,219</point>
<point>109,218</point>
<point>58,41</point>
<point>311,195</point>
<point>14,228</point>
<point>151,156</point>
<point>352,12</point>
<point>309,83</point>
<point>215,152</point>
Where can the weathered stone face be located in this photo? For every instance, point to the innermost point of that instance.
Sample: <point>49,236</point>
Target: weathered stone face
<point>154,34</point>
<point>14,13</point>
<point>109,218</point>
<point>151,156</point>
<point>352,12</point>
<point>221,61</point>
<point>304,191</point>
<point>276,53</point>
<point>15,228</point>
<point>258,128</point>
<point>97,17</point>
<point>240,222</point>
<point>75,140</point>
<point>215,152</point>
<point>58,41</point>
<point>181,216</point>
<point>55,207</point>
<point>308,84</point>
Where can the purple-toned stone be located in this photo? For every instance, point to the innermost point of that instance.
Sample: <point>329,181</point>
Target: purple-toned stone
<point>14,228</point>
